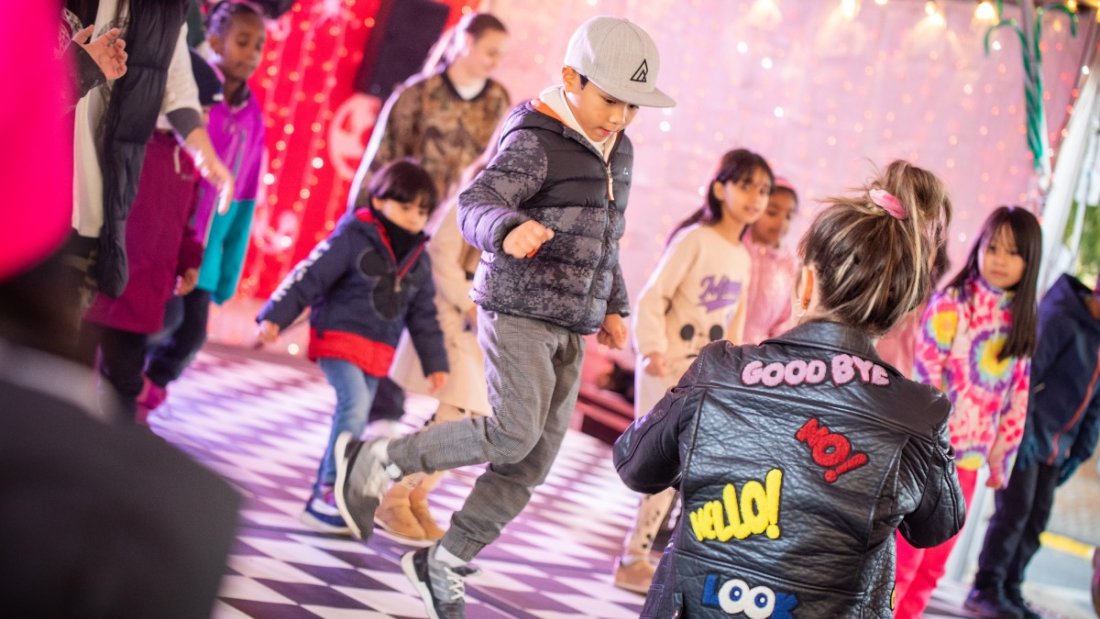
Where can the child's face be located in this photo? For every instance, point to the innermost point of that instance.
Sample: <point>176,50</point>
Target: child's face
<point>745,200</point>
<point>999,261</point>
<point>409,216</point>
<point>239,50</point>
<point>598,113</point>
<point>776,220</point>
<point>482,55</point>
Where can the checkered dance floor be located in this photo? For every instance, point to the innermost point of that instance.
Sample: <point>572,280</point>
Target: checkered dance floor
<point>261,422</point>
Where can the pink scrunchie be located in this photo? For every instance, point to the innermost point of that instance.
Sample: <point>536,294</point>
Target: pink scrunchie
<point>889,203</point>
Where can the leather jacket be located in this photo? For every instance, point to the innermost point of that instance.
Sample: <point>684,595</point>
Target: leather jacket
<point>796,461</point>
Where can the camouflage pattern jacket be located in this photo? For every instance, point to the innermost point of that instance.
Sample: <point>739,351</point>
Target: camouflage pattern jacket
<point>550,173</point>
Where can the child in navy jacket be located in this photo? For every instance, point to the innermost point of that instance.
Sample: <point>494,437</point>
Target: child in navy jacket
<point>365,283</point>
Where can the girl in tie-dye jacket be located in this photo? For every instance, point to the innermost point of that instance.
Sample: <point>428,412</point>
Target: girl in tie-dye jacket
<point>976,342</point>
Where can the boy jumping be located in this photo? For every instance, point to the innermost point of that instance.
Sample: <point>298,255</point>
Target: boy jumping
<point>548,213</point>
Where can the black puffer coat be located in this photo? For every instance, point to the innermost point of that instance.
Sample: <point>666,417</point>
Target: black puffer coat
<point>796,461</point>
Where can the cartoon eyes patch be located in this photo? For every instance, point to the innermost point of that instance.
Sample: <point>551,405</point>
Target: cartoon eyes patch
<point>736,597</point>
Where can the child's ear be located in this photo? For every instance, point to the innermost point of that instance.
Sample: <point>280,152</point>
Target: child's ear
<point>375,203</point>
<point>571,79</point>
<point>216,43</point>
<point>718,188</point>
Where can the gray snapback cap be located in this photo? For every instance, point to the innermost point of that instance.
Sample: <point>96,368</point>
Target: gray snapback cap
<point>620,58</point>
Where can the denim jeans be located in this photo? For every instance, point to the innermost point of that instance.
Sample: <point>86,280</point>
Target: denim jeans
<point>354,393</point>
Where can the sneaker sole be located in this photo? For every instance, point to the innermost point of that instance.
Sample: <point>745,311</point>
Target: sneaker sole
<point>360,516</point>
<point>321,526</point>
<point>421,587</point>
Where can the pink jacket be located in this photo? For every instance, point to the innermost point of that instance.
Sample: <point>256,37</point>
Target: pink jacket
<point>771,292</point>
<point>956,351</point>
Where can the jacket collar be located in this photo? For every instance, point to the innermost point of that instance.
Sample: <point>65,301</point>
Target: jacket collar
<point>540,109</point>
<point>828,335</point>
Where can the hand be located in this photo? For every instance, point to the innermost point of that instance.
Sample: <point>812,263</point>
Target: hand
<point>186,282</point>
<point>438,381</point>
<point>996,479</point>
<point>613,331</point>
<point>268,332</point>
<point>1068,468</point>
<point>655,364</point>
<point>108,50</point>
<point>525,239</point>
<point>210,166</point>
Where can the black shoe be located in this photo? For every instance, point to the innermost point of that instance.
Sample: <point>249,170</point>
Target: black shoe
<point>361,479</point>
<point>991,604</point>
<point>440,585</point>
<point>1013,595</point>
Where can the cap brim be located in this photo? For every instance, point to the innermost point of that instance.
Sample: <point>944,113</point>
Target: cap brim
<point>654,98</point>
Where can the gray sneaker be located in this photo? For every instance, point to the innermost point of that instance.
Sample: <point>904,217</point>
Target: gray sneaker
<point>441,586</point>
<point>361,479</point>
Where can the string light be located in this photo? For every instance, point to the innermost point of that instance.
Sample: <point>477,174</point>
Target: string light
<point>985,12</point>
<point>849,9</point>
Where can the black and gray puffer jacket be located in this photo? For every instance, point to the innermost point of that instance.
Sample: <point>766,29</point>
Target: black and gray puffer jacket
<point>796,461</point>
<point>550,173</point>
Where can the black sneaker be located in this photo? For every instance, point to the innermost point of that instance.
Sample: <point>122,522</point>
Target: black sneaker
<point>991,604</point>
<point>440,585</point>
<point>361,479</point>
<point>1013,595</point>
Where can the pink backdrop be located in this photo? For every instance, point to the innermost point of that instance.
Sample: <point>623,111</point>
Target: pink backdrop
<point>820,96</point>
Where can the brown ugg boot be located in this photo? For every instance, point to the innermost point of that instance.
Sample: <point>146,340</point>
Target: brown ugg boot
<point>396,516</point>
<point>418,502</point>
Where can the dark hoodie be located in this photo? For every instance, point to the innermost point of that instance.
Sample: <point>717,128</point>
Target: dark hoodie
<point>1064,409</point>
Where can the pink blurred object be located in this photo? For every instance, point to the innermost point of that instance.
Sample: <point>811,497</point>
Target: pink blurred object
<point>36,165</point>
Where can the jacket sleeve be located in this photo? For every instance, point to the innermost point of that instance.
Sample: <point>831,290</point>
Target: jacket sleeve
<point>1010,425</point>
<point>618,302</point>
<point>446,250</point>
<point>939,326</point>
<point>180,91</point>
<point>647,455</point>
<point>650,330</point>
<point>309,280</point>
<point>488,209</point>
<point>423,326</point>
<point>942,509</point>
<point>396,135</point>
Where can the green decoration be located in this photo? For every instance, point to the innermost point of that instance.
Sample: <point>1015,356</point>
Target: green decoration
<point>1029,31</point>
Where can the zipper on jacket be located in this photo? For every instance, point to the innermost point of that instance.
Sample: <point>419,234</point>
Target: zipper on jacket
<point>1077,414</point>
<point>610,181</point>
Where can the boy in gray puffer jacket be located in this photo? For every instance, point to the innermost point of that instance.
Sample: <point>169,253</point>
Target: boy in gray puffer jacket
<point>547,213</point>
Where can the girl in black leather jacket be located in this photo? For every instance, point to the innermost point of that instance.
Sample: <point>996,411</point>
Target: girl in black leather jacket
<point>797,459</point>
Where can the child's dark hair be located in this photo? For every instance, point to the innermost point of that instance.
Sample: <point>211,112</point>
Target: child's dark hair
<point>473,24</point>
<point>871,267</point>
<point>784,186</point>
<point>219,18</point>
<point>736,166</point>
<point>404,181</point>
<point>1022,337</point>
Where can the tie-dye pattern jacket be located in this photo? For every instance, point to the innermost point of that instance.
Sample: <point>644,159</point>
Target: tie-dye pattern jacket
<point>958,351</point>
